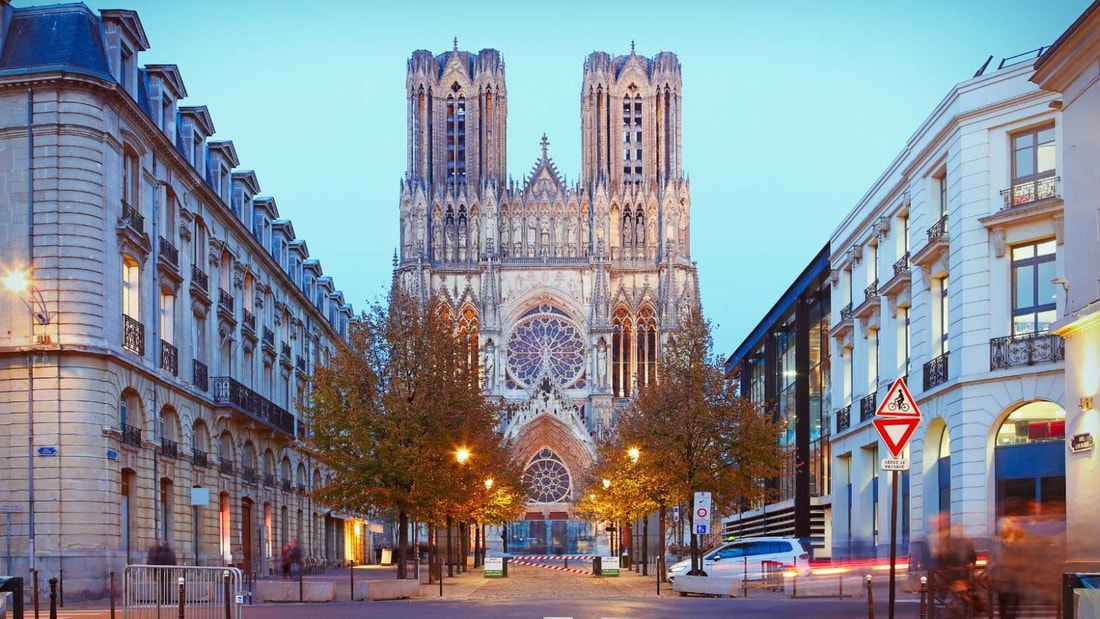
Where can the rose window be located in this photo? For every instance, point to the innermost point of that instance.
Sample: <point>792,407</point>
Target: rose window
<point>545,343</point>
<point>546,479</point>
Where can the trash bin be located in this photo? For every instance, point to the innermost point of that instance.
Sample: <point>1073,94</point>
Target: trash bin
<point>597,566</point>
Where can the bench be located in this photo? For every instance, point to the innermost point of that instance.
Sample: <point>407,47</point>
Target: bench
<point>386,589</point>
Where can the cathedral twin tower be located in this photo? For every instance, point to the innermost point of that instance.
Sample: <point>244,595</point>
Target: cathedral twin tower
<point>565,293</point>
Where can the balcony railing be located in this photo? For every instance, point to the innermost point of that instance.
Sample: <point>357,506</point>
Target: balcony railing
<point>301,488</point>
<point>867,406</point>
<point>870,293</point>
<point>938,230</point>
<point>846,312</point>
<point>300,363</point>
<point>131,435</point>
<point>269,480</point>
<point>248,320</point>
<point>252,404</point>
<point>133,335</point>
<point>200,377</point>
<point>132,218</point>
<point>902,265</point>
<point>169,358</point>
<point>199,278</point>
<point>199,458</point>
<point>286,350</point>
<point>1027,349</point>
<point>248,474</point>
<point>286,484</point>
<point>169,253</point>
<point>844,418</point>
<point>169,448</point>
<point>225,467</point>
<point>1031,191</point>
<point>225,300</point>
<point>269,337</point>
<point>935,372</point>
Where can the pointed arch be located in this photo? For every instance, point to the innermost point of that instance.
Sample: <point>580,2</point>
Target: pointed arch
<point>647,339</point>
<point>622,347</point>
<point>468,329</point>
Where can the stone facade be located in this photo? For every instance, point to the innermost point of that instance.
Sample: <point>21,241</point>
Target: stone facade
<point>152,379</point>
<point>565,290</point>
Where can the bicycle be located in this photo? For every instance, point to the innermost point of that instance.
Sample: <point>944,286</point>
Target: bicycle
<point>898,404</point>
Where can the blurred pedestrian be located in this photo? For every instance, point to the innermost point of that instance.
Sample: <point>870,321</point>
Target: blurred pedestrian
<point>1008,569</point>
<point>285,560</point>
<point>294,554</point>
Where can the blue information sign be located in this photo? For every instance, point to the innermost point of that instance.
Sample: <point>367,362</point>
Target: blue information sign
<point>47,451</point>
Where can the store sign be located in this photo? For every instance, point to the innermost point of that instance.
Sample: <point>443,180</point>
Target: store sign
<point>1081,442</point>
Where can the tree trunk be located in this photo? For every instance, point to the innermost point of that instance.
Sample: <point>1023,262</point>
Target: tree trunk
<point>402,545</point>
<point>450,551</point>
<point>661,524</point>
<point>645,545</point>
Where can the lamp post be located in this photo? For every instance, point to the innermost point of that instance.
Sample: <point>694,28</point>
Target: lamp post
<point>21,283</point>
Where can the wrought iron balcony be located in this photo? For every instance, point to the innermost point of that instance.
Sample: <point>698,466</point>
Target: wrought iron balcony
<point>199,278</point>
<point>248,474</point>
<point>1026,349</point>
<point>1034,190</point>
<point>200,376</point>
<point>938,230</point>
<point>870,293</point>
<point>300,363</point>
<point>867,406</point>
<point>301,488</point>
<point>286,485</point>
<point>846,312</point>
<point>169,358</point>
<point>269,337</point>
<point>199,458</point>
<point>269,480</point>
<point>225,300</point>
<point>902,265</point>
<point>248,320</point>
<point>228,391</point>
<point>844,418</point>
<point>133,335</point>
<point>169,253</point>
<point>286,350</point>
<point>169,448</point>
<point>131,435</point>
<point>132,218</point>
<point>935,372</point>
<point>225,467</point>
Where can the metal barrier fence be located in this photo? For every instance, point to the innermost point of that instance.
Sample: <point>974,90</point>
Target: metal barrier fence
<point>153,592</point>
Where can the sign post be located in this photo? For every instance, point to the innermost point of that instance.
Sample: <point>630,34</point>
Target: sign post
<point>896,419</point>
<point>700,521</point>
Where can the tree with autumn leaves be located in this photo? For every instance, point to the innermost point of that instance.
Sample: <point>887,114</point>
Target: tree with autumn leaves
<point>693,433</point>
<point>391,410</point>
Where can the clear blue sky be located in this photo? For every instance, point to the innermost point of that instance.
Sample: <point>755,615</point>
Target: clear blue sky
<point>791,108</point>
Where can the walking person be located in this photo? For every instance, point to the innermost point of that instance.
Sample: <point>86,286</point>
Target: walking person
<point>294,554</point>
<point>1009,567</point>
<point>285,560</point>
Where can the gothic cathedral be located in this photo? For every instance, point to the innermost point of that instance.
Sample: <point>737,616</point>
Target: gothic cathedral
<point>565,292</point>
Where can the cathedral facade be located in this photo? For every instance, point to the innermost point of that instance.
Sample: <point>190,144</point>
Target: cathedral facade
<point>566,292</point>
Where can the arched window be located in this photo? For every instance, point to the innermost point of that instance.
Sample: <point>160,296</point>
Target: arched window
<point>468,327</point>
<point>647,347</point>
<point>1030,461</point>
<point>943,477</point>
<point>622,345</point>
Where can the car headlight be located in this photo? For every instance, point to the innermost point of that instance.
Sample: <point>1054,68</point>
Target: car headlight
<point>676,569</point>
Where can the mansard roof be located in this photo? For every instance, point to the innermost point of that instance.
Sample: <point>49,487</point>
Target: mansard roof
<point>226,149</point>
<point>201,114</point>
<point>170,76</point>
<point>247,179</point>
<point>130,23</point>
<point>66,37</point>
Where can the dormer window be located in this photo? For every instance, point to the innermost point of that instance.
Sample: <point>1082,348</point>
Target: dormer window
<point>166,115</point>
<point>126,67</point>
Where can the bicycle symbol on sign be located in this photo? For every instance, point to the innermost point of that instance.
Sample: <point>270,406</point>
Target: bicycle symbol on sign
<point>898,404</point>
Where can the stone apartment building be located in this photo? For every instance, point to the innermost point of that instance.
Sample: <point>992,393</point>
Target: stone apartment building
<point>154,370</point>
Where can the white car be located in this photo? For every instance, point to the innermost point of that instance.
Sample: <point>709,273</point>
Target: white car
<point>751,558</point>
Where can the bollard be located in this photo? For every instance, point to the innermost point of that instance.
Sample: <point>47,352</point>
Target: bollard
<point>61,588</point>
<point>923,597</point>
<point>351,577</point>
<point>840,589</point>
<point>111,593</point>
<point>870,599</point>
<point>53,598</point>
<point>225,585</point>
<point>182,598</point>
<point>34,591</point>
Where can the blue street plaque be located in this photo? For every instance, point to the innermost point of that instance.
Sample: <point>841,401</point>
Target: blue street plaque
<point>112,454</point>
<point>47,451</point>
<point>701,529</point>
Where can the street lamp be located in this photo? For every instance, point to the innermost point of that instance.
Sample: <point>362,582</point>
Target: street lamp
<point>634,453</point>
<point>22,285</point>
<point>462,455</point>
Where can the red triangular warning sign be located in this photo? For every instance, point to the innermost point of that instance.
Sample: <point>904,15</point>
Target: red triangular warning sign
<point>896,431</point>
<point>898,402</point>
